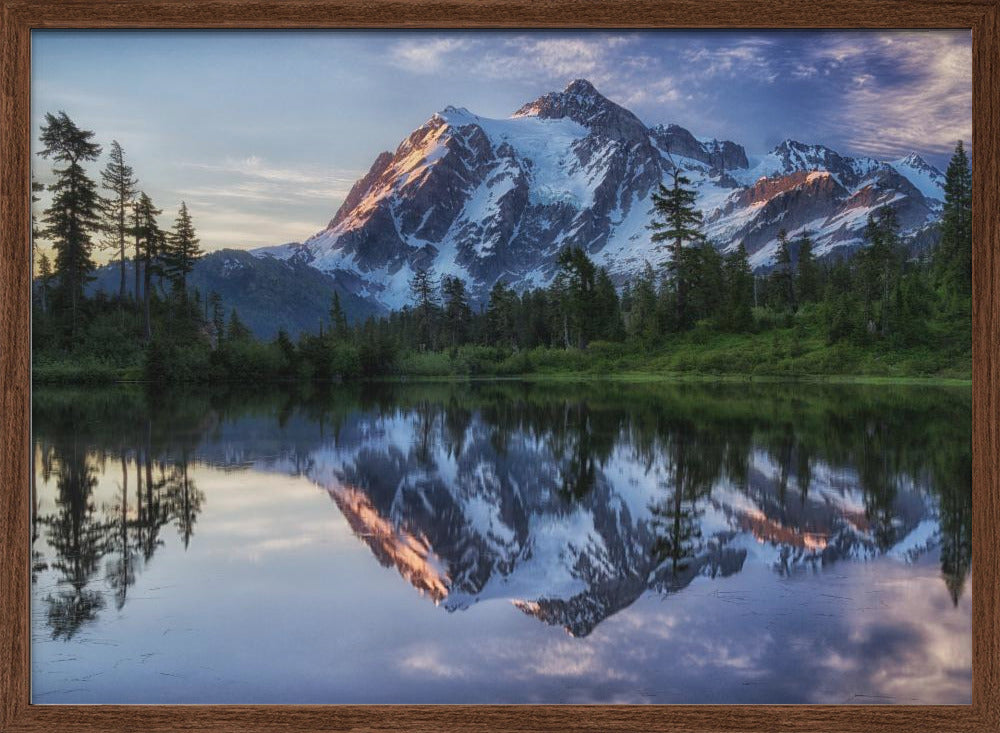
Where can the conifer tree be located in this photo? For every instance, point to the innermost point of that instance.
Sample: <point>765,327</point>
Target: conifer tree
<point>151,240</point>
<point>338,320</point>
<point>457,313</point>
<point>423,290</point>
<point>182,250</point>
<point>74,213</point>
<point>953,260</point>
<point>236,330</point>
<point>784,273</point>
<point>807,278</point>
<point>679,224</point>
<point>739,290</point>
<point>118,178</point>
<point>574,284</point>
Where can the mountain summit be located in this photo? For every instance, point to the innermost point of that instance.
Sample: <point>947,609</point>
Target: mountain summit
<point>497,199</point>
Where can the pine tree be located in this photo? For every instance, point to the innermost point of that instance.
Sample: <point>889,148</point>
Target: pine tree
<point>423,290</point>
<point>44,282</point>
<point>739,283</point>
<point>574,287</point>
<point>118,178</point>
<point>807,279</point>
<point>643,322</point>
<point>151,240</point>
<point>879,268</point>
<point>680,225</point>
<point>182,250</point>
<point>236,330</point>
<point>607,309</point>
<point>501,315</point>
<point>953,261</point>
<point>74,213</point>
<point>218,318</point>
<point>784,273</point>
<point>338,320</point>
<point>457,314</point>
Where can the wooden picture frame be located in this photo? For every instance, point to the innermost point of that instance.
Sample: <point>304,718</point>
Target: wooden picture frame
<point>19,17</point>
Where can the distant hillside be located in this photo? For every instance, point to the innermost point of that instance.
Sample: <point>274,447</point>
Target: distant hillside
<point>268,293</point>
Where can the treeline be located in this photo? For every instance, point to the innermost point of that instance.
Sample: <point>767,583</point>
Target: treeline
<point>883,299</point>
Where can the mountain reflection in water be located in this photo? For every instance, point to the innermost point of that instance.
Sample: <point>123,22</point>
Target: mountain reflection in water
<point>569,501</point>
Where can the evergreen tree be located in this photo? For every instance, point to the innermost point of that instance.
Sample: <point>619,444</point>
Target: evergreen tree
<point>338,320</point>
<point>118,178</point>
<point>807,280</point>
<point>574,287</point>
<point>182,250</point>
<point>236,331</point>
<point>423,290</point>
<point>44,282</point>
<point>953,261</point>
<point>784,274</point>
<point>218,318</point>
<point>879,269</point>
<point>457,313</point>
<point>739,282</point>
<point>36,188</point>
<point>501,315</point>
<point>74,213</point>
<point>606,308</point>
<point>150,239</point>
<point>643,321</point>
<point>680,224</point>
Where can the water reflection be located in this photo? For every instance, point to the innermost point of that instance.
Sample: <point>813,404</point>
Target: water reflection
<point>571,501</point>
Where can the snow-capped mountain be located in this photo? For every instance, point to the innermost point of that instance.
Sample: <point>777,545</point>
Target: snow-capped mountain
<point>496,199</point>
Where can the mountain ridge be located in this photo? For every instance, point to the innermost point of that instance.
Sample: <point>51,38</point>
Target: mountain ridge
<point>495,199</point>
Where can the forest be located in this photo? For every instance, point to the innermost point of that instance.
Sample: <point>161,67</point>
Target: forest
<point>884,311</point>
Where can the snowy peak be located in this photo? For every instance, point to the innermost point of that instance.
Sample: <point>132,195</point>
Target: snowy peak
<point>488,199</point>
<point>583,104</point>
<point>921,174</point>
<point>719,155</point>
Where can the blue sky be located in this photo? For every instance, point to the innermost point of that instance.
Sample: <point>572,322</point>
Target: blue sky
<point>262,133</point>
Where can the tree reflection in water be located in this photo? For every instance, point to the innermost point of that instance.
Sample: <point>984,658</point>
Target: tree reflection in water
<point>539,449</point>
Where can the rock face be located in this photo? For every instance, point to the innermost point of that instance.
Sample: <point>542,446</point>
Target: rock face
<point>496,199</point>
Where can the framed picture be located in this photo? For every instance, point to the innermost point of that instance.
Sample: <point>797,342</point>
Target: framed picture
<point>499,366</point>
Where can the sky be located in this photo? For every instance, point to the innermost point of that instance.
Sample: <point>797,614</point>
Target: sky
<point>262,133</point>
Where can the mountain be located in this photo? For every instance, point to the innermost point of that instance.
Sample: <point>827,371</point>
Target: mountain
<point>268,293</point>
<point>496,199</point>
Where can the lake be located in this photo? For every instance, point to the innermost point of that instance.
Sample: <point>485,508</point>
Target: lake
<point>503,542</point>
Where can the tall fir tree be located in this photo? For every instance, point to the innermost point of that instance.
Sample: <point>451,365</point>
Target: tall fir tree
<point>423,290</point>
<point>807,276</point>
<point>119,180</point>
<point>679,223</point>
<point>739,282</point>
<point>457,313</point>
<point>953,260</point>
<point>784,274</point>
<point>150,239</point>
<point>338,319</point>
<point>74,215</point>
<point>182,250</point>
<point>574,285</point>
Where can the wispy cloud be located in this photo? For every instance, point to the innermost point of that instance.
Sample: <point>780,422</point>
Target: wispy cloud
<point>924,105</point>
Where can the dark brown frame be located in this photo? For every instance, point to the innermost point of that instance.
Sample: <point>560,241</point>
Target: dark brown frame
<point>19,17</point>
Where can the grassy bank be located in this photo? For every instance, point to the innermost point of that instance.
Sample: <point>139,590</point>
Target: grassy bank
<point>776,354</point>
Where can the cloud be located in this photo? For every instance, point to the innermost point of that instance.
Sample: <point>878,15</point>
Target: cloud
<point>925,104</point>
<point>748,59</point>
<point>428,54</point>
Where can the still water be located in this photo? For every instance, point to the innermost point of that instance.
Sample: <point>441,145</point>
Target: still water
<point>503,542</point>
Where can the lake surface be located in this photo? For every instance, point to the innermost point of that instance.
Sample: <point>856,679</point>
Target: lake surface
<point>503,542</point>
